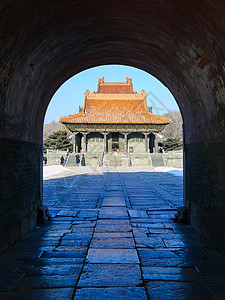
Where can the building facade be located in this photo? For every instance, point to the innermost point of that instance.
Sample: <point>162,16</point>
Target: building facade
<point>115,120</point>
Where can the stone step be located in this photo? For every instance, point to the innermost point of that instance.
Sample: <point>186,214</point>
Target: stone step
<point>157,160</point>
<point>71,160</point>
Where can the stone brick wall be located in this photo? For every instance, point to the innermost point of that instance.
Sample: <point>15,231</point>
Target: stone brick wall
<point>95,143</point>
<point>205,189</point>
<point>174,159</point>
<point>20,189</point>
<point>139,159</point>
<point>136,143</point>
<point>92,159</point>
<point>54,158</point>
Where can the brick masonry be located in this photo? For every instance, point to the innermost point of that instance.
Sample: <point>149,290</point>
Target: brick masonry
<point>20,189</point>
<point>205,189</point>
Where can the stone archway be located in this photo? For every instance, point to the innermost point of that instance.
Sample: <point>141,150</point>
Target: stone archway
<point>44,45</point>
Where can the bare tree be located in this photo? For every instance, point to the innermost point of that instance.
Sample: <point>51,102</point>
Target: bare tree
<point>173,130</point>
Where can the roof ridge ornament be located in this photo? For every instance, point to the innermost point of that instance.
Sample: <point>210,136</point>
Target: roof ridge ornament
<point>87,92</point>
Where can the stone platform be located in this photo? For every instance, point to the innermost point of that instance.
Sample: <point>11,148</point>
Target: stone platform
<point>112,236</point>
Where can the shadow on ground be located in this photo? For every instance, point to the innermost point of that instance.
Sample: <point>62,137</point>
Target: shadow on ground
<point>112,236</point>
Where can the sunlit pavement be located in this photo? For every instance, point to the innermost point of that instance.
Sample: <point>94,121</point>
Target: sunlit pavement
<point>112,236</point>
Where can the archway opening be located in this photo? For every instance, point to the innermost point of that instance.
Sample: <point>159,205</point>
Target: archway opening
<point>72,94</point>
<point>110,148</point>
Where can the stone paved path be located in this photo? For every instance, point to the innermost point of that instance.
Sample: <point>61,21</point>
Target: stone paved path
<point>112,236</point>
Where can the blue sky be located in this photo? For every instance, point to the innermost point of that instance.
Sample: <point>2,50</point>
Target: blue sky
<point>70,95</point>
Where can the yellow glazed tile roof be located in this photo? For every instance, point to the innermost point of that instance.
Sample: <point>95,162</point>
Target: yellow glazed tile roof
<point>115,109</point>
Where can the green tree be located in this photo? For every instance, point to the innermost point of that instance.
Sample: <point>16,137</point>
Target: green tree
<point>57,140</point>
<point>171,144</point>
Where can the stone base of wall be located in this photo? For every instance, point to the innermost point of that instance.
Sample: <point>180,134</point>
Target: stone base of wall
<point>54,158</point>
<point>141,159</point>
<point>115,160</point>
<point>205,189</point>
<point>174,159</point>
<point>20,189</point>
<point>93,160</point>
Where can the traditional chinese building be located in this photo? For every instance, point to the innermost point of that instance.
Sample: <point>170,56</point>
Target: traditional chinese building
<point>115,120</point>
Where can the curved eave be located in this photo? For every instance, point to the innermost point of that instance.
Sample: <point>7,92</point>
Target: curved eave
<point>80,123</point>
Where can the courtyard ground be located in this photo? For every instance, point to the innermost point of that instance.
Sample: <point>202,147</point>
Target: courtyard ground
<point>112,236</point>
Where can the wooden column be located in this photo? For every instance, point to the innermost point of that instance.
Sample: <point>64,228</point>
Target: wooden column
<point>84,144</point>
<point>105,141</point>
<point>125,142</point>
<point>74,141</point>
<point>156,143</point>
<point>146,142</point>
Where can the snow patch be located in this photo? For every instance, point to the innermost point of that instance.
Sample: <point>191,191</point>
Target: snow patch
<point>170,170</point>
<point>52,170</point>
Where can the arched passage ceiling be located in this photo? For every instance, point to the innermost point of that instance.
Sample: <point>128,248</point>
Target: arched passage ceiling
<point>45,43</point>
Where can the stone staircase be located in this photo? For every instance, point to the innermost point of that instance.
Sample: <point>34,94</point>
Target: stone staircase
<point>118,160</point>
<point>71,161</point>
<point>157,160</point>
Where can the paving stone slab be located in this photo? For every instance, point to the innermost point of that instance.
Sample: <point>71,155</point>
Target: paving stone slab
<point>45,294</point>
<point>111,202</point>
<point>83,225</point>
<point>46,282</point>
<point>21,255</point>
<point>134,213</point>
<point>113,228</point>
<point>10,265</point>
<point>9,280</point>
<point>216,270</point>
<point>214,255</point>
<point>71,248</point>
<point>113,222</point>
<point>178,291</point>
<point>217,289</point>
<point>141,220</point>
<point>82,230</point>
<point>113,213</point>
<point>54,261</point>
<point>66,213</point>
<point>57,269</point>
<point>106,235</point>
<point>172,262</point>
<point>110,293</point>
<point>77,235</point>
<point>156,242</point>
<point>152,253</point>
<point>64,254</point>
<point>60,226</point>
<point>149,226</point>
<point>140,232</point>
<point>57,234</point>
<point>111,256</point>
<point>110,275</point>
<point>88,213</point>
<point>74,242</point>
<point>110,243</point>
